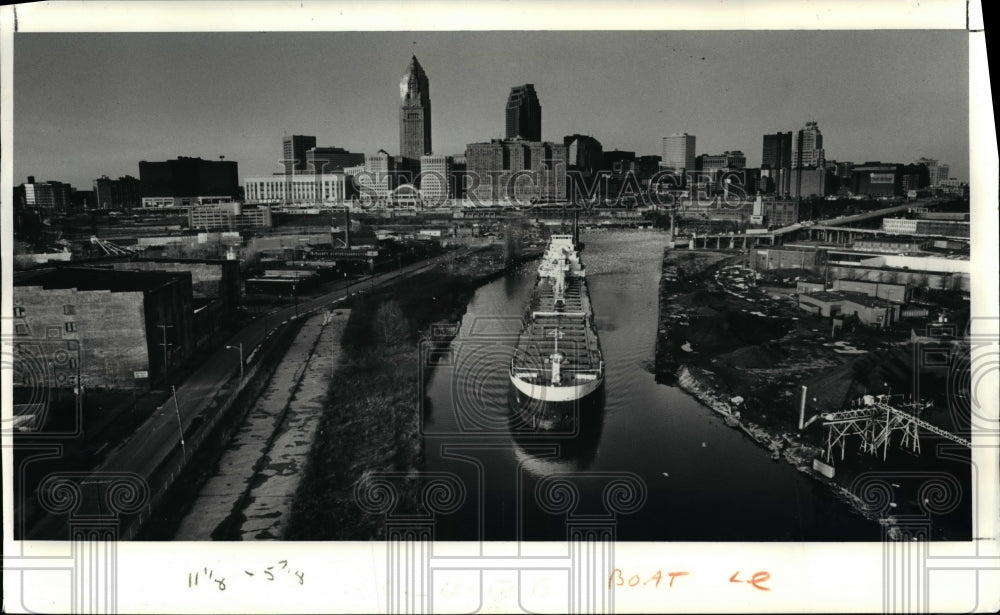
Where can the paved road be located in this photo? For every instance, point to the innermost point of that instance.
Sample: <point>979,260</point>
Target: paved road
<point>159,437</point>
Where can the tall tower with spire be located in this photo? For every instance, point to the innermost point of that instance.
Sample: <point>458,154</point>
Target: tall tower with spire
<point>414,112</point>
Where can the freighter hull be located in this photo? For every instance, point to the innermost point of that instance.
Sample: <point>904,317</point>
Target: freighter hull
<point>558,361</point>
<point>568,417</point>
<point>562,393</point>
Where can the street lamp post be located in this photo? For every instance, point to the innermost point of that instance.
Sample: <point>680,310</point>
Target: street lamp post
<point>240,348</point>
<point>180,425</point>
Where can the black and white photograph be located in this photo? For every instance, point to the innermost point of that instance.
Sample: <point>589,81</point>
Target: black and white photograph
<point>440,286</point>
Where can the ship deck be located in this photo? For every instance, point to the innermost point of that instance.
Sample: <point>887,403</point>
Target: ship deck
<point>577,341</point>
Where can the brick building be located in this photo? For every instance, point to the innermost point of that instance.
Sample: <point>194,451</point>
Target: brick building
<point>130,327</point>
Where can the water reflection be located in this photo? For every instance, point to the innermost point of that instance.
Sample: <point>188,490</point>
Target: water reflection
<point>544,448</point>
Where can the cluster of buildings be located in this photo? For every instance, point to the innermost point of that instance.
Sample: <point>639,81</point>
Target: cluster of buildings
<point>519,167</point>
<point>873,279</point>
<point>795,166</point>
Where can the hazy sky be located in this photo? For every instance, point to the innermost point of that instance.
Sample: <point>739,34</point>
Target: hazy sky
<point>93,104</point>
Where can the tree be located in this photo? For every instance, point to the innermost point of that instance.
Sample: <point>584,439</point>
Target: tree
<point>391,326</point>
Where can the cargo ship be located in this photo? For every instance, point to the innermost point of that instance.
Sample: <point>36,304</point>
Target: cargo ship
<point>558,368</point>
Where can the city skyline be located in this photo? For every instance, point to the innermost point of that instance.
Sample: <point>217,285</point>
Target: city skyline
<point>154,106</point>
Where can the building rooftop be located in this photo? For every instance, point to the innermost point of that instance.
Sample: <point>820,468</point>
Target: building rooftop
<point>865,300</point>
<point>824,295</point>
<point>856,298</point>
<point>95,278</point>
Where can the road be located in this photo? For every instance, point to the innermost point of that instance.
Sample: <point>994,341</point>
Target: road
<point>158,438</point>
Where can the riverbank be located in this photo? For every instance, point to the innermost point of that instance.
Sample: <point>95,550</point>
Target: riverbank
<point>745,352</point>
<point>370,423</point>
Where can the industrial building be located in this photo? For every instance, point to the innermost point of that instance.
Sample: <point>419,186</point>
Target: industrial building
<point>887,245</point>
<point>229,216</point>
<point>215,289</point>
<point>763,259</point>
<point>924,226</point>
<point>896,293</point>
<point>870,311</point>
<point>131,327</point>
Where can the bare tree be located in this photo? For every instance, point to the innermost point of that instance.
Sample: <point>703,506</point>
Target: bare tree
<point>391,325</point>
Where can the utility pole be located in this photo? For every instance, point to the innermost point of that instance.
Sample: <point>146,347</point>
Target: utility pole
<point>180,425</point>
<point>240,348</point>
<point>165,345</point>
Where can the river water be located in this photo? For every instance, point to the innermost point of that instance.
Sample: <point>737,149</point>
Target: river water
<point>653,463</point>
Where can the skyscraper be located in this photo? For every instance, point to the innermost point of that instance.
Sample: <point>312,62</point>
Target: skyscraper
<point>807,147</point>
<point>777,151</point>
<point>293,149</point>
<point>678,151</point>
<point>524,113</point>
<point>414,113</point>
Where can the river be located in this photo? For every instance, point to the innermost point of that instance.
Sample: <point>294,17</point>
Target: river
<point>654,463</point>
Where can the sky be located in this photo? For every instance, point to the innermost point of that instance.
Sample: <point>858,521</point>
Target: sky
<point>92,104</point>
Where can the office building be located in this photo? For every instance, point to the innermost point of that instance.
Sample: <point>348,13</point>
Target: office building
<point>306,189</point>
<point>583,152</point>
<point>414,112</point>
<point>516,170</point>
<point>293,150</point>
<point>807,147</point>
<point>777,151</point>
<point>728,161</point>
<point>812,182</point>
<point>877,179</point>
<point>187,178</point>
<point>50,195</point>
<point>936,171</point>
<point>327,160</point>
<point>436,178</point>
<point>374,180</point>
<point>678,152</point>
<point>120,193</point>
<point>524,114</point>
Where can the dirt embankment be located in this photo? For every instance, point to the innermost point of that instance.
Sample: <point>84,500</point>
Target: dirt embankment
<point>746,352</point>
<point>760,347</point>
<point>371,424</point>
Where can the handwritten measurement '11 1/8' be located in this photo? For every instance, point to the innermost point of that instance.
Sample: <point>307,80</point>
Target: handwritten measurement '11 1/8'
<point>618,579</point>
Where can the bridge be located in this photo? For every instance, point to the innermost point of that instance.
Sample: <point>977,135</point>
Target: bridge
<point>830,229</point>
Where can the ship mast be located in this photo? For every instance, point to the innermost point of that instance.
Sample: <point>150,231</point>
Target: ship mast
<point>556,357</point>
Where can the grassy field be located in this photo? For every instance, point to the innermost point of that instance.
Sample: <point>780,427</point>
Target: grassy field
<point>371,423</point>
